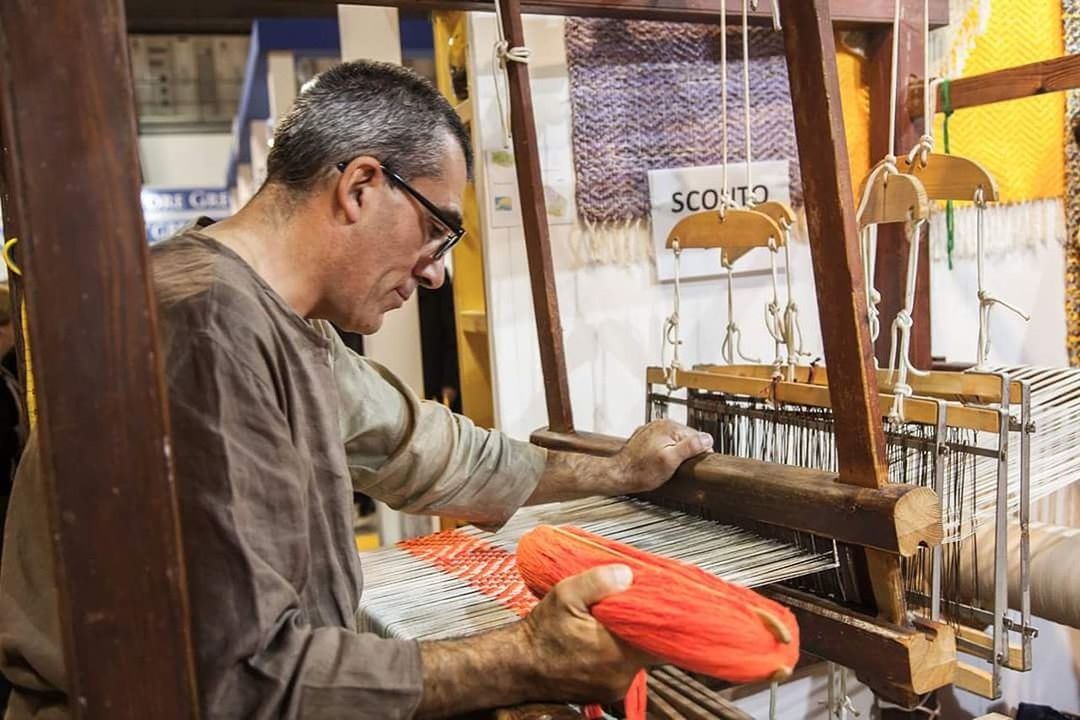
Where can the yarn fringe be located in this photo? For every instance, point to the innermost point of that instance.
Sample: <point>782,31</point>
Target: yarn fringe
<point>1009,227</point>
<point>623,242</point>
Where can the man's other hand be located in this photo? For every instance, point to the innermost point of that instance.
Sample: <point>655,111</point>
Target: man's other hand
<point>654,452</point>
<point>576,658</point>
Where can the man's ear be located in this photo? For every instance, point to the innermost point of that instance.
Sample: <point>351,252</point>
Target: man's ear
<point>355,184</point>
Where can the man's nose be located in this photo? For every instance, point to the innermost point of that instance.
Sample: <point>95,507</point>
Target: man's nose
<point>431,273</point>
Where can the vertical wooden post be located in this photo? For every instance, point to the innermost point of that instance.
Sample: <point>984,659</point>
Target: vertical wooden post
<point>72,172</point>
<point>830,216</point>
<point>534,216</point>
<point>892,256</point>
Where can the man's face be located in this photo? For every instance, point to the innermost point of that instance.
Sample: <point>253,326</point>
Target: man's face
<point>389,241</point>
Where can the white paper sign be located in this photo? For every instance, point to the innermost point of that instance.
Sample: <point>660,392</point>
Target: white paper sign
<point>674,194</point>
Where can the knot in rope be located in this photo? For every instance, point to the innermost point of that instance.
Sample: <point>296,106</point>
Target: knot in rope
<point>921,150</point>
<point>504,53</point>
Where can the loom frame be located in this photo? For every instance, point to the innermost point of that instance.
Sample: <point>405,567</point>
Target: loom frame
<point>994,647</point>
<point>807,29</point>
<point>112,315</point>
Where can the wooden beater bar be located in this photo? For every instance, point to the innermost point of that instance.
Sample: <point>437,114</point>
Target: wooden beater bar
<point>896,518</point>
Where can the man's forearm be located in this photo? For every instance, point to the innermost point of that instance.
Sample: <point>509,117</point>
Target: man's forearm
<point>568,476</point>
<point>480,672</point>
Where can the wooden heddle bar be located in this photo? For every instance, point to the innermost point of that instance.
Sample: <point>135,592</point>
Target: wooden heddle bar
<point>895,518</point>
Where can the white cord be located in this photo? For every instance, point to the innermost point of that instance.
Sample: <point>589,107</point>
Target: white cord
<point>723,110</point>
<point>987,301</point>
<point>502,53</point>
<point>671,328</point>
<point>925,146</point>
<point>773,318</point>
<point>893,78</point>
<point>746,96</point>
<point>732,347</point>
<point>900,347</point>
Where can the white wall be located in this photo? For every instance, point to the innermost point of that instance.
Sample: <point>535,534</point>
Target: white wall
<point>1031,278</point>
<point>612,317</point>
<point>185,160</point>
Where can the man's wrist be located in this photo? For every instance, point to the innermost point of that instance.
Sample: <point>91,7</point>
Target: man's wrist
<point>495,669</point>
<point>613,475</point>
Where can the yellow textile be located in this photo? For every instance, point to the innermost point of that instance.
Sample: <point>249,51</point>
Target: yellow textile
<point>855,101</point>
<point>1020,141</point>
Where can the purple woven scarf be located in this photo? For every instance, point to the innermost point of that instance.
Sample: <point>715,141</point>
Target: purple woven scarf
<point>646,96</point>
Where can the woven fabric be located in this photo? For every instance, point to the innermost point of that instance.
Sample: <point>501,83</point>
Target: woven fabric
<point>1019,141</point>
<point>1071,21</point>
<point>490,569</point>
<point>647,95</point>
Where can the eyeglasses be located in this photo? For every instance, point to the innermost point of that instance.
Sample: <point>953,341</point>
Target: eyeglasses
<point>454,231</point>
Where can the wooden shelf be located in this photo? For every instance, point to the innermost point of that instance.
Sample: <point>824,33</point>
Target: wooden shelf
<point>473,321</point>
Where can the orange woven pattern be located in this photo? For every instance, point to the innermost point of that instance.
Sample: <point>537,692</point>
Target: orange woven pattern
<point>488,568</point>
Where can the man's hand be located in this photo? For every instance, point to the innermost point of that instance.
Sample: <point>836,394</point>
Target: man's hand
<point>648,460</point>
<point>559,653</point>
<point>653,454</point>
<point>577,659</point>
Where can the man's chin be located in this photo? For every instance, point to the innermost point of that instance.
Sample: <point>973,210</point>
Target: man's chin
<point>368,325</point>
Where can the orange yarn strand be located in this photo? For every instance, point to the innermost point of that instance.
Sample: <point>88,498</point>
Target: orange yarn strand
<point>676,612</point>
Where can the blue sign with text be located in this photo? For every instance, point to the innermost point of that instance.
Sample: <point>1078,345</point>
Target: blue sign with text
<point>167,210</point>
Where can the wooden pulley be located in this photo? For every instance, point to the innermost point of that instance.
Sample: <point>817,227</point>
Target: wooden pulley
<point>951,177</point>
<point>892,197</point>
<point>735,232</point>
<point>780,212</point>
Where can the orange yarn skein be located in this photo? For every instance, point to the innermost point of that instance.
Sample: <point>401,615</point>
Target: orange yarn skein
<point>677,612</point>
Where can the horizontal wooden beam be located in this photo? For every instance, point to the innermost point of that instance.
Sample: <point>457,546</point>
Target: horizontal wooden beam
<point>1023,81</point>
<point>886,657</point>
<point>980,388</point>
<point>209,16</point>
<point>895,518</point>
<point>714,378</point>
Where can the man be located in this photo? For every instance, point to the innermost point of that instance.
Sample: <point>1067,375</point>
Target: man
<point>275,423</point>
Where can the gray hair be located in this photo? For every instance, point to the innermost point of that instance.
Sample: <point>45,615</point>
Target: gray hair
<point>365,108</point>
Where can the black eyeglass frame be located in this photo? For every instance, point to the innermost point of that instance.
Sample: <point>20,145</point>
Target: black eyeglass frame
<point>455,231</point>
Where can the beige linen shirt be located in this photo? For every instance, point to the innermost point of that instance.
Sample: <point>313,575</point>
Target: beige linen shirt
<point>275,423</point>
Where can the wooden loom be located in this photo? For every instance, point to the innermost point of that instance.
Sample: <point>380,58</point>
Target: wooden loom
<point>120,570</point>
<point>897,659</point>
<point>898,669</point>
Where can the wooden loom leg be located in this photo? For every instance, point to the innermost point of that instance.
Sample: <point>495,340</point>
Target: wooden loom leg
<point>534,218</point>
<point>830,215</point>
<point>72,171</point>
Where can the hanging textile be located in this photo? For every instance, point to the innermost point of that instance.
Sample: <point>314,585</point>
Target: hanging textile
<point>1071,21</point>
<point>1019,142</point>
<point>646,96</point>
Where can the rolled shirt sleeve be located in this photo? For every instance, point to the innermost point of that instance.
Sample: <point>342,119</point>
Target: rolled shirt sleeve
<point>417,456</point>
